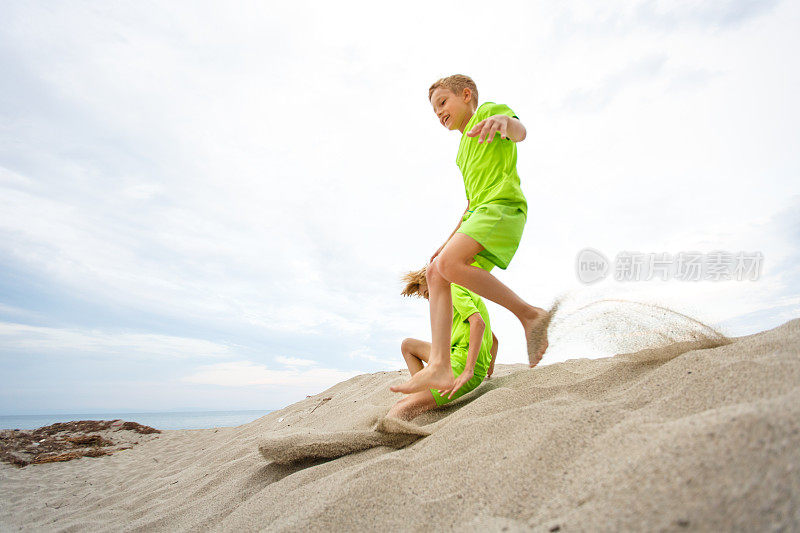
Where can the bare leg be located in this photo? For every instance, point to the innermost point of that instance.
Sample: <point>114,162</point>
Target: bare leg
<point>412,405</point>
<point>454,264</point>
<point>415,352</point>
<point>438,374</point>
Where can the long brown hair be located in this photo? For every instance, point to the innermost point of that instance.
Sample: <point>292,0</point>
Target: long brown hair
<point>416,283</point>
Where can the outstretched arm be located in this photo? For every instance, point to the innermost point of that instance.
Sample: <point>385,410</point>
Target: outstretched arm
<point>493,351</point>
<point>508,127</point>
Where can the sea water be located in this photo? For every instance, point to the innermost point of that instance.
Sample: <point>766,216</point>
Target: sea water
<point>163,420</point>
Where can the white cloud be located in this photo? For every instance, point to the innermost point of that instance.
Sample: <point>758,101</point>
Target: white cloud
<point>45,340</point>
<point>294,361</point>
<point>12,179</point>
<point>20,312</point>
<point>722,13</point>
<point>249,373</point>
<point>368,354</point>
<point>143,191</point>
<point>639,71</point>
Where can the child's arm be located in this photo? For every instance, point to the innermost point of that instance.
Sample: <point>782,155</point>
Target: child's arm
<point>509,128</point>
<point>451,235</point>
<point>493,351</point>
<point>476,328</point>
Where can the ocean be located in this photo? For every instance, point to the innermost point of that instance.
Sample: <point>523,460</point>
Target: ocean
<point>165,420</point>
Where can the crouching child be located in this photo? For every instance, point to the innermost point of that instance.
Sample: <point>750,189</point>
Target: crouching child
<point>473,349</point>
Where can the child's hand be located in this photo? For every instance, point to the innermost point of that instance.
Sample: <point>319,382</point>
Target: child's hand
<point>462,378</point>
<point>489,126</point>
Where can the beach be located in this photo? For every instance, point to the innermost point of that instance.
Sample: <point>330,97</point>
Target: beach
<point>663,439</point>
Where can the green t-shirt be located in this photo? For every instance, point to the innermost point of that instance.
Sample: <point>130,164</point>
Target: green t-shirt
<point>490,169</point>
<point>465,304</point>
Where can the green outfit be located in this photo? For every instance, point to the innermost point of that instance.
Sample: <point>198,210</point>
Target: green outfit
<point>498,209</point>
<point>465,304</point>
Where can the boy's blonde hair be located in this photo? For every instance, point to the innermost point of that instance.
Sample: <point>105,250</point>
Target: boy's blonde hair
<point>416,283</point>
<point>457,83</point>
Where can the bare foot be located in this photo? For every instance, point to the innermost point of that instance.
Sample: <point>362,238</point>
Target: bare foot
<point>430,377</point>
<point>536,336</point>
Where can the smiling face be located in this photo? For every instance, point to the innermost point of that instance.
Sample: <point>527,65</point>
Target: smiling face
<point>453,111</point>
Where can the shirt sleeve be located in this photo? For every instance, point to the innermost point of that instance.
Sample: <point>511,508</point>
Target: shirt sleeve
<point>462,301</point>
<point>500,109</point>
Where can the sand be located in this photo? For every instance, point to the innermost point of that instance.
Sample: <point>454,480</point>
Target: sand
<point>664,439</point>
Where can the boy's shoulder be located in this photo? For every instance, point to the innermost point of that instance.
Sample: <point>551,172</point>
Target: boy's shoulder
<point>488,109</point>
<point>458,290</point>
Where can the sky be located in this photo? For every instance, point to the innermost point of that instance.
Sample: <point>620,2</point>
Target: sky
<point>208,205</point>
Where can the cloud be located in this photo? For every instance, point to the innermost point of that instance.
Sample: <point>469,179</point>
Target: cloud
<point>597,98</point>
<point>37,339</point>
<point>672,15</point>
<point>11,310</point>
<point>785,267</point>
<point>689,78</point>
<point>618,20</point>
<point>184,261</point>
<point>249,373</point>
<point>367,353</point>
<point>294,361</point>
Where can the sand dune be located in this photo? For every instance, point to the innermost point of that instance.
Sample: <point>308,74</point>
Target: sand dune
<point>663,439</point>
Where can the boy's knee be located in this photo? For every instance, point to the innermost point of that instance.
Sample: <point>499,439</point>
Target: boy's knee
<point>433,275</point>
<point>446,266</point>
<point>407,345</point>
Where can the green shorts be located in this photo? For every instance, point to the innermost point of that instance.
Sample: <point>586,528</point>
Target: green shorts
<point>498,228</point>
<point>458,359</point>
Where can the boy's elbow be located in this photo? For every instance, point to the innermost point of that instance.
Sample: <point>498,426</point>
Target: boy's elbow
<point>475,321</point>
<point>518,132</point>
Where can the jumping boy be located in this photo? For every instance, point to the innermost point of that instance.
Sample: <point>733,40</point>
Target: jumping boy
<point>489,231</point>
<point>473,349</point>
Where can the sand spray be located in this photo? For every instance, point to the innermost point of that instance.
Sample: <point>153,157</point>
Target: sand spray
<point>616,326</point>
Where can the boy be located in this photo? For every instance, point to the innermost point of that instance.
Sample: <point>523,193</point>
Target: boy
<point>489,231</point>
<point>473,349</point>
